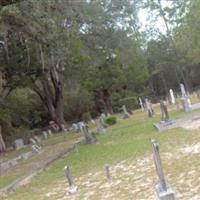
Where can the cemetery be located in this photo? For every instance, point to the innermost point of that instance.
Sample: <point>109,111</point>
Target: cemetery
<point>99,100</point>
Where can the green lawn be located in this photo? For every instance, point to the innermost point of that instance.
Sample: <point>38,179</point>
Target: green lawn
<point>127,139</point>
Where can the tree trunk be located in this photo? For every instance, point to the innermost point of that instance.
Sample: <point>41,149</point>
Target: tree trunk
<point>2,143</point>
<point>54,101</point>
<point>107,100</point>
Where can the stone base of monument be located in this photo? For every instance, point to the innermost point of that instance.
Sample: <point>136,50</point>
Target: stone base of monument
<point>73,189</point>
<point>163,126</point>
<point>165,195</point>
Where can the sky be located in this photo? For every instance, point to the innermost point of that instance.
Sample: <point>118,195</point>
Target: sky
<point>144,17</point>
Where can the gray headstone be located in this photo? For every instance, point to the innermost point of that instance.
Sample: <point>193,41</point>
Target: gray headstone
<point>73,187</point>
<point>37,138</point>
<point>50,132</point>
<point>36,149</point>
<point>163,189</point>
<point>149,108</point>
<point>185,99</point>
<point>32,141</point>
<point>100,126</point>
<point>125,112</point>
<point>84,130</point>
<point>107,168</point>
<point>45,134</point>
<point>19,143</point>
<point>164,111</point>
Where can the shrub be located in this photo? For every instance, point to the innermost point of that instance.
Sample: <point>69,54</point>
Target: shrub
<point>130,102</point>
<point>86,116</point>
<point>111,120</point>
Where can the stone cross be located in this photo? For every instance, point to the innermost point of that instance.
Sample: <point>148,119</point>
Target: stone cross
<point>73,187</point>
<point>164,111</point>
<point>172,97</point>
<point>125,112</point>
<point>141,104</point>
<point>84,130</point>
<point>163,189</point>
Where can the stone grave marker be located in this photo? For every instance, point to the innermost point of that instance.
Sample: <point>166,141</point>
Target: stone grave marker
<point>125,113</point>
<point>165,122</point>
<point>37,138</point>
<point>75,127</point>
<point>107,169</point>
<point>100,125</point>
<point>36,148</point>
<point>163,189</point>
<point>32,141</point>
<point>185,99</point>
<point>19,143</point>
<point>172,97</point>
<point>73,188</point>
<point>44,133</point>
<point>84,130</point>
<point>149,108</point>
<point>26,155</point>
<point>141,104</point>
<point>50,132</point>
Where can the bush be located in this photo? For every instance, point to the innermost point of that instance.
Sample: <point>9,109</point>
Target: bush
<point>111,120</point>
<point>129,102</point>
<point>86,116</point>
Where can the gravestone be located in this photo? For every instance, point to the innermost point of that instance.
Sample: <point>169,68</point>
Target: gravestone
<point>149,108</point>
<point>163,189</point>
<point>37,138</point>
<point>87,137</point>
<point>108,176</point>
<point>19,143</point>
<point>172,97</point>
<point>198,94</point>
<point>141,104</point>
<point>125,113</point>
<point>26,155</point>
<point>63,127</point>
<point>36,148</point>
<point>165,122</point>
<point>44,133</point>
<point>185,99</point>
<point>73,188</point>
<point>100,125</point>
<point>50,132</point>
<point>32,141</point>
<point>75,127</point>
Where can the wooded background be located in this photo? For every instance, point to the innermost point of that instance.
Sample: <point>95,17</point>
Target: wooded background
<point>66,60</point>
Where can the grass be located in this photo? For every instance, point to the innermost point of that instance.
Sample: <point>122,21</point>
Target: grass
<point>128,139</point>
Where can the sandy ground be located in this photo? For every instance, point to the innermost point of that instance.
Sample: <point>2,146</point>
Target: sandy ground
<point>136,179</point>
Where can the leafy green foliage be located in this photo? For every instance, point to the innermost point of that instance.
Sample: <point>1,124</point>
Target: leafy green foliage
<point>111,120</point>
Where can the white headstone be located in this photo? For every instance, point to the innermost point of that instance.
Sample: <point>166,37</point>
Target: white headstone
<point>172,97</point>
<point>19,143</point>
